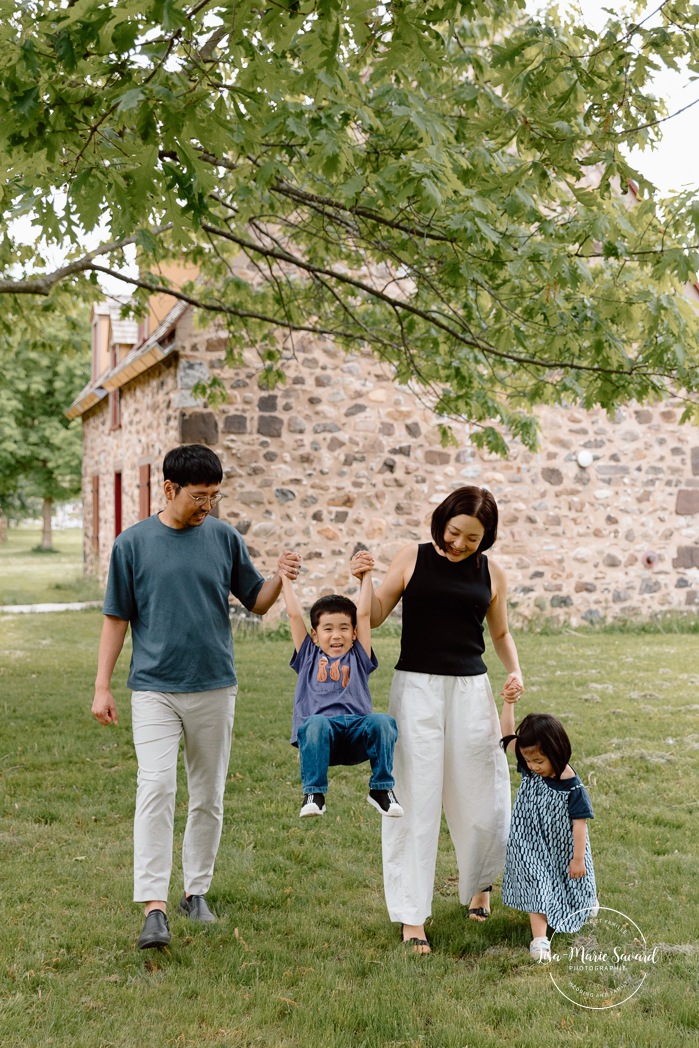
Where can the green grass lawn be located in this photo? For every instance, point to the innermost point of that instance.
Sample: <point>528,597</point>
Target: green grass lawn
<point>304,956</point>
<point>29,576</point>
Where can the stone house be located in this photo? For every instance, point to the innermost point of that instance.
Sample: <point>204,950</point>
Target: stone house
<point>601,522</point>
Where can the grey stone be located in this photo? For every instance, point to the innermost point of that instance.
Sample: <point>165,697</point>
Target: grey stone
<point>387,429</point>
<point>682,583</point>
<point>619,596</point>
<point>356,409</point>
<point>270,426</point>
<point>611,560</point>
<point>650,586</point>
<point>561,600</point>
<point>643,416</point>
<point>235,424</point>
<point>404,449</point>
<point>189,372</point>
<point>270,456</point>
<point>200,427</point>
<point>414,430</point>
<point>552,476</point>
<point>687,557</point>
<point>323,380</point>
<point>307,501</point>
<point>612,471</point>
<point>243,526</point>
<point>296,425</point>
<point>340,516</point>
<point>695,461</point>
<point>326,427</point>
<point>251,498</point>
<point>284,494</point>
<point>335,443</point>
<point>592,615</point>
<point>388,466</point>
<point>687,501</point>
<point>268,402</point>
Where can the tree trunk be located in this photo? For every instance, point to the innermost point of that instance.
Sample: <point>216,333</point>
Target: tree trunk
<point>46,542</point>
<point>3,528</point>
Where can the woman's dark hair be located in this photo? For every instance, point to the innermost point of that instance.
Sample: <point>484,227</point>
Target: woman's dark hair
<point>547,734</point>
<point>333,604</point>
<point>192,464</point>
<point>472,502</point>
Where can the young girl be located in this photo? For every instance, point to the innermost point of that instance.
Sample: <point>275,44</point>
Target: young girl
<point>548,867</point>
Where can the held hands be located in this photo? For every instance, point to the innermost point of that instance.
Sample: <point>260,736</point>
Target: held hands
<point>576,868</point>
<point>513,688</point>
<point>289,565</point>
<point>361,562</point>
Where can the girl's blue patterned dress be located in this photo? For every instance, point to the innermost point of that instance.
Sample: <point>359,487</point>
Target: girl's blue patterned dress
<point>540,848</point>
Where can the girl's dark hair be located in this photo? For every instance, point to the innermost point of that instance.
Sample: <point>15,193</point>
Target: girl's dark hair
<point>547,734</point>
<point>192,464</point>
<point>472,502</point>
<point>333,604</point>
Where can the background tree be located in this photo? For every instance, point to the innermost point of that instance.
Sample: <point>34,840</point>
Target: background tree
<point>44,364</point>
<point>445,183</point>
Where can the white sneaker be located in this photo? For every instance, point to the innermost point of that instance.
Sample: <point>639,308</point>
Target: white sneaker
<point>386,802</point>
<point>313,804</point>
<point>540,949</point>
<point>594,910</point>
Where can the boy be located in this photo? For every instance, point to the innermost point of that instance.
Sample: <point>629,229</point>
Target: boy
<point>333,722</point>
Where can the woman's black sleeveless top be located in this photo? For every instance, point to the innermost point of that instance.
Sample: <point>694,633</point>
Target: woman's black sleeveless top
<point>444,606</point>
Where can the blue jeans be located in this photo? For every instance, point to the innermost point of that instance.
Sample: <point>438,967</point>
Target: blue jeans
<point>347,740</point>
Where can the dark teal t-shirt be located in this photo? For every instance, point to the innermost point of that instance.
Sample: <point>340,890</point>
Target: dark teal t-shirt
<point>172,585</point>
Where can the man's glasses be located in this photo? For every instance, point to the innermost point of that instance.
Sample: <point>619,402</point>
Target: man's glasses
<point>200,500</point>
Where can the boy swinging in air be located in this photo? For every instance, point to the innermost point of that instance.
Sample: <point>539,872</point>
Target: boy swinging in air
<point>333,721</point>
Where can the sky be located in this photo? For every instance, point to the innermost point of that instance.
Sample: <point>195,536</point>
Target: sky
<point>675,164</point>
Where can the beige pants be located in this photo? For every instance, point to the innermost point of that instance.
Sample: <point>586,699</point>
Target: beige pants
<point>160,720</point>
<point>447,755</point>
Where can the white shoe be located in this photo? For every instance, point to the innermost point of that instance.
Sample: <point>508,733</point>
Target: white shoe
<point>313,804</point>
<point>594,910</point>
<point>540,949</point>
<point>386,802</point>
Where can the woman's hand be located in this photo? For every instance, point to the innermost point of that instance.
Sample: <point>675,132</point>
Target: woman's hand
<point>513,688</point>
<point>361,562</point>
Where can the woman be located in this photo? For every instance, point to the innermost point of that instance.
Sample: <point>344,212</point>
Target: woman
<point>448,753</point>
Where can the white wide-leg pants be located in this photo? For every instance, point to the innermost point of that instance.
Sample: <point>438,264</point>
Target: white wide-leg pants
<point>159,720</point>
<point>447,755</point>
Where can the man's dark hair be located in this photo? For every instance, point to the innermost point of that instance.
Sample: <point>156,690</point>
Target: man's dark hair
<point>471,502</point>
<point>334,604</point>
<point>547,734</point>
<point>192,464</point>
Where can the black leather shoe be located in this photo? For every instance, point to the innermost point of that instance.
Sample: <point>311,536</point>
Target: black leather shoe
<point>196,909</point>
<point>156,931</point>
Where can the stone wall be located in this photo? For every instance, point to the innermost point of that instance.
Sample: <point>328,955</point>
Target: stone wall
<point>149,426</point>
<point>341,455</point>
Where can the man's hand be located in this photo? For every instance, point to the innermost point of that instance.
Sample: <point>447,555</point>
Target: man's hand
<point>104,707</point>
<point>289,565</point>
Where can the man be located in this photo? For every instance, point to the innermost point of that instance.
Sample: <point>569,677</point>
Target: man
<point>169,577</point>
